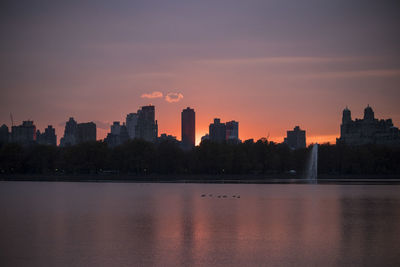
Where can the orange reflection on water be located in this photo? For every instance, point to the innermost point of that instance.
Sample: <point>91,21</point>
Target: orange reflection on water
<point>103,224</point>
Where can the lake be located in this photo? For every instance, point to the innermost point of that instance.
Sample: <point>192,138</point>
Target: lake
<point>161,224</point>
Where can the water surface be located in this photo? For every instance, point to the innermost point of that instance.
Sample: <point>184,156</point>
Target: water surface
<point>134,224</point>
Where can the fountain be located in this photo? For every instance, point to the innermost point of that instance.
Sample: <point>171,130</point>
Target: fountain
<point>312,170</point>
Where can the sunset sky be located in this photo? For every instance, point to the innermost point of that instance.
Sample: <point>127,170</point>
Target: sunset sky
<point>270,65</point>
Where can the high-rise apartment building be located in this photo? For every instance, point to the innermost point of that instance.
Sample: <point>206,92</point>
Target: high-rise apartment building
<point>131,122</point>
<point>4,134</point>
<point>118,135</point>
<point>217,131</point>
<point>49,136</point>
<point>70,133</point>
<point>24,134</point>
<point>146,128</point>
<point>86,132</point>
<point>232,131</point>
<point>116,128</point>
<point>76,133</point>
<point>296,139</point>
<point>188,129</point>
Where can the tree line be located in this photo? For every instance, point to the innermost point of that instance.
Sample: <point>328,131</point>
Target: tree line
<point>138,157</point>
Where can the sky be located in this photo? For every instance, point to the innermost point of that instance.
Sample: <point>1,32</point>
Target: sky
<point>271,65</point>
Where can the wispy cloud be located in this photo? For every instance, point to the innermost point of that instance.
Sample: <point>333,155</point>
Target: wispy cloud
<point>354,74</point>
<point>279,60</point>
<point>153,75</point>
<point>173,97</point>
<point>155,94</point>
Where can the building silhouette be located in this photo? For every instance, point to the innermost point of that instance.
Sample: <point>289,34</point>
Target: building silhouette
<point>118,135</point>
<point>116,128</point>
<point>205,137</point>
<point>86,132</point>
<point>217,131</point>
<point>146,128</point>
<point>188,128</point>
<point>223,132</point>
<point>76,133</point>
<point>24,134</point>
<point>232,131</point>
<point>70,133</point>
<point>123,134</point>
<point>4,134</point>
<point>368,130</point>
<point>296,139</point>
<point>49,136</point>
<point>131,122</point>
<point>168,138</point>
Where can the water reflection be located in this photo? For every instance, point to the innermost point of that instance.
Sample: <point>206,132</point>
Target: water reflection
<point>370,227</point>
<point>103,224</point>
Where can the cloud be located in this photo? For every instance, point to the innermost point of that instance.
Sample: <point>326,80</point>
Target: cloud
<point>155,94</point>
<point>170,97</point>
<point>354,74</point>
<point>173,97</point>
<point>280,60</point>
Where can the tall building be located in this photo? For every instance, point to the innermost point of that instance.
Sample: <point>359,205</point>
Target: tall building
<point>217,131</point>
<point>70,133</point>
<point>123,134</point>
<point>116,128</point>
<point>367,130</point>
<point>75,133</point>
<point>232,131</point>
<point>86,132</point>
<point>24,134</point>
<point>188,129</point>
<point>118,135</point>
<point>131,122</point>
<point>4,134</point>
<point>49,136</point>
<point>146,128</point>
<point>296,139</point>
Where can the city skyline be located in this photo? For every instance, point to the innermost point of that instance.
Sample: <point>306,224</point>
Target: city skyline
<point>103,126</point>
<point>144,125</point>
<point>200,133</point>
<point>270,65</point>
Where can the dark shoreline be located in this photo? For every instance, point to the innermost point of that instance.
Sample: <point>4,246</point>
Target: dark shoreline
<point>211,179</point>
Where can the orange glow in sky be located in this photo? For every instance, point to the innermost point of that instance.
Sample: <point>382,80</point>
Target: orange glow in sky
<point>268,65</point>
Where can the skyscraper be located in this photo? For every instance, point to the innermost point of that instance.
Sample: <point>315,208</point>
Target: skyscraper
<point>49,136</point>
<point>296,139</point>
<point>131,122</point>
<point>4,134</point>
<point>70,133</point>
<point>75,133</point>
<point>188,125</point>
<point>24,134</point>
<point>232,131</point>
<point>217,131</point>
<point>116,128</point>
<point>118,135</point>
<point>86,132</point>
<point>146,128</point>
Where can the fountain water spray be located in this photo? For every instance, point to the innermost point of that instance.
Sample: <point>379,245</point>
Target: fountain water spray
<point>312,170</point>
